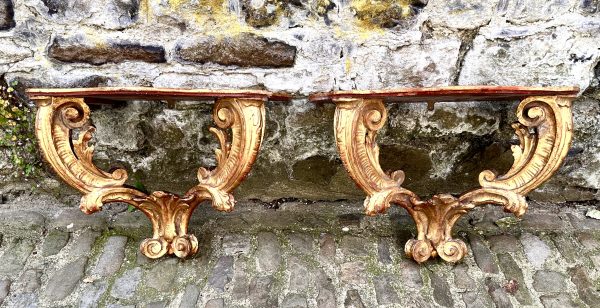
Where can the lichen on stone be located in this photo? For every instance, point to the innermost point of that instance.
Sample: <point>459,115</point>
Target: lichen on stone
<point>385,13</point>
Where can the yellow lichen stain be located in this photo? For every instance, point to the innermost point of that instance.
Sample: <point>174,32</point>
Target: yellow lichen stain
<point>370,14</point>
<point>348,65</point>
<point>211,15</point>
<point>175,3</point>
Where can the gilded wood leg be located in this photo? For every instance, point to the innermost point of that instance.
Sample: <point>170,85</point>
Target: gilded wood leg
<point>545,130</point>
<point>169,213</point>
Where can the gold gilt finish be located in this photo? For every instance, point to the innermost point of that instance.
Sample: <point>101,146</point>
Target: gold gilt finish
<point>59,117</point>
<point>544,129</point>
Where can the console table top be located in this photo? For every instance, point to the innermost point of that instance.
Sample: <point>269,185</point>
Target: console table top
<point>108,94</point>
<point>448,94</point>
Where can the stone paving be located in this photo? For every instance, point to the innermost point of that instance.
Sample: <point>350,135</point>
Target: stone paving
<point>294,254</point>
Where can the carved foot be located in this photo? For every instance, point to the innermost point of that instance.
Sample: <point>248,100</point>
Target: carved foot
<point>451,250</point>
<point>181,246</point>
<point>170,216</point>
<point>435,219</point>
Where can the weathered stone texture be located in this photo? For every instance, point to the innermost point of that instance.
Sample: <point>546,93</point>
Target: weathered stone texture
<point>222,273</point>
<point>54,242</point>
<point>74,50</point>
<point>64,280</point>
<point>353,300</point>
<point>344,276</point>
<point>7,15</point>
<point>111,259</point>
<point>125,286</point>
<point>13,52</point>
<point>245,50</point>
<point>110,14</point>
<point>4,289</point>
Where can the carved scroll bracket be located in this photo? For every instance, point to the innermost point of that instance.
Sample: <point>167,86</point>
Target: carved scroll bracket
<point>544,129</point>
<point>57,117</point>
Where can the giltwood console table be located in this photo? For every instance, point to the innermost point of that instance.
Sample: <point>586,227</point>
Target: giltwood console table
<point>60,111</point>
<point>544,129</point>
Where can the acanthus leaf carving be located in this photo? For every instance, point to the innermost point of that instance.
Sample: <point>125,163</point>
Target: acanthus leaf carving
<point>245,118</point>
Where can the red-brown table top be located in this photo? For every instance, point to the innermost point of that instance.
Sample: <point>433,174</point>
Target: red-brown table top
<point>448,94</point>
<point>132,93</point>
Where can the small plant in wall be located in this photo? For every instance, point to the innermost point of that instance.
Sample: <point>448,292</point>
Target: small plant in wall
<point>17,140</point>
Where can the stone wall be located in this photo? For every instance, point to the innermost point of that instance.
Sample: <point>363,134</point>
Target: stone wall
<point>305,46</point>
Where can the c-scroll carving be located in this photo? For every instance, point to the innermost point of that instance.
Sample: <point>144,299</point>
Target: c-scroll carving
<point>245,118</point>
<point>169,213</point>
<point>356,125</point>
<point>544,129</point>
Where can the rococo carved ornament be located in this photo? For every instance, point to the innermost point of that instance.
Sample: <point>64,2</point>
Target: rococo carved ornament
<point>544,129</point>
<point>243,115</point>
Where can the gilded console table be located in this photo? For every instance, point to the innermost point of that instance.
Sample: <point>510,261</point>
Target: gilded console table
<point>63,111</point>
<point>544,129</point>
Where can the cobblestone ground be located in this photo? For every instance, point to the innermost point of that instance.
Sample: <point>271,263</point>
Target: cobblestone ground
<point>294,254</point>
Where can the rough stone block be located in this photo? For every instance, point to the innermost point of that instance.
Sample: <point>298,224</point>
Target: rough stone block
<point>13,52</point>
<point>22,220</point>
<point>73,219</point>
<point>260,292</point>
<point>236,244</point>
<point>15,256</point>
<point>301,243</point>
<point>111,258</point>
<point>497,293</point>
<point>384,292</point>
<point>268,253</point>
<point>441,290</point>
<point>549,281</point>
<point>353,300</point>
<point>4,288</point>
<point>29,281</point>
<point>504,243</point>
<point>126,285</point>
<point>162,275</point>
<point>327,246</point>
<point>64,280</point>
<point>512,271</point>
<point>222,273</point>
<point>7,15</point>
<point>585,288</point>
<point>294,301</point>
<point>79,50</point>
<point>245,50</point>
<point>54,242</point>
<point>536,250</point>
<point>560,300</point>
<point>215,303</point>
<point>354,272</point>
<point>483,256</point>
<point>299,275</point>
<point>91,294</point>
<point>190,296</point>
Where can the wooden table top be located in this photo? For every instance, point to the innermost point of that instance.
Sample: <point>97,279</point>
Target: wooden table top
<point>448,94</point>
<point>131,93</point>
